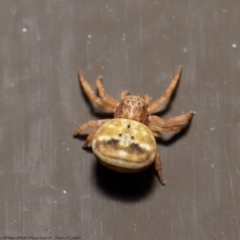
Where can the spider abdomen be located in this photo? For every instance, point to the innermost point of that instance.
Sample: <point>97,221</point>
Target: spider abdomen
<point>124,145</point>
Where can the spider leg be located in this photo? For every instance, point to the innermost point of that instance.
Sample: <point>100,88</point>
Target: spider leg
<point>89,124</point>
<point>167,128</point>
<point>90,137</point>
<point>172,121</point>
<point>158,168</point>
<point>168,93</point>
<point>90,93</point>
<point>147,98</point>
<point>156,134</point>
<point>124,93</point>
<point>111,101</point>
<point>157,124</point>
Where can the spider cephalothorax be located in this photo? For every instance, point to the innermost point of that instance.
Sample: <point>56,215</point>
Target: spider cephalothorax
<point>134,108</point>
<point>126,143</point>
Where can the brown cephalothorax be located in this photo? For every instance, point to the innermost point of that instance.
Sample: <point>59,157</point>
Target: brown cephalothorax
<point>132,107</point>
<point>126,143</point>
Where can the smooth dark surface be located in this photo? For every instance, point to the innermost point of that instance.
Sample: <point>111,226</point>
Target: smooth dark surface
<point>50,186</point>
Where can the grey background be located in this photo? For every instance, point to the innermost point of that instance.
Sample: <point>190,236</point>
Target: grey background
<point>49,186</point>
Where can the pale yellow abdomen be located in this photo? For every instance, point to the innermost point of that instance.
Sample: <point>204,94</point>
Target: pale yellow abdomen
<point>124,145</point>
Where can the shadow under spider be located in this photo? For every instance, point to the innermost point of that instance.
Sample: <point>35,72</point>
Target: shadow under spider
<point>124,186</point>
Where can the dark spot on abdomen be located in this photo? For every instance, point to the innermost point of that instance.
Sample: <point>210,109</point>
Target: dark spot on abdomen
<point>112,142</point>
<point>136,147</point>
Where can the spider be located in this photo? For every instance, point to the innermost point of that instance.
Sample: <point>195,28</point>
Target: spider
<point>127,143</point>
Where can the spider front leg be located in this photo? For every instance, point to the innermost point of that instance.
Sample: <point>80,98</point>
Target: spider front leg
<point>111,101</point>
<point>158,168</point>
<point>147,98</point>
<point>124,94</point>
<point>90,93</point>
<point>168,93</point>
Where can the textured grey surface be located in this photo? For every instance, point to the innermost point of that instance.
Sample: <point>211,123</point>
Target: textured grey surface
<point>49,186</point>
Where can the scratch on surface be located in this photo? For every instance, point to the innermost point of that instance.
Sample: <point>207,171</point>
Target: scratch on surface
<point>238,171</point>
<point>234,202</point>
<point>89,66</point>
<point>215,92</point>
<point>52,187</point>
<point>204,6</point>
<point>140,40</point>
<point>99,205</point>
<point>195,212</point>
<point>177,237</point>
<point>84,196</point>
